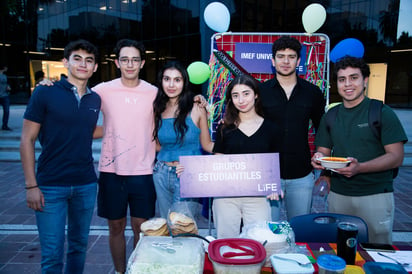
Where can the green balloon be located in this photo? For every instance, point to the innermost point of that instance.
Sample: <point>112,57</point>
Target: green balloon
<point>198,72</point>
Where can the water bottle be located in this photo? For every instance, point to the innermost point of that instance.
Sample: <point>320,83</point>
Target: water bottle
<point>320,194</point>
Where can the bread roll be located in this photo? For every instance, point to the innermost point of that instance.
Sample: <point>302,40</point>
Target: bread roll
<point>180,224</point>
<point>155,227</point>
<point>180,219</point>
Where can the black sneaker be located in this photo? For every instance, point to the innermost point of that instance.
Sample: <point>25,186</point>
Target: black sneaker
<point>6,128</point>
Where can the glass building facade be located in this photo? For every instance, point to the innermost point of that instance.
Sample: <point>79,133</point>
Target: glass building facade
<point>33,34</point>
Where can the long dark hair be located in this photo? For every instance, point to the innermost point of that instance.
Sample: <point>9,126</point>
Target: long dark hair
<point>231,117</point>
<point>185,102</point>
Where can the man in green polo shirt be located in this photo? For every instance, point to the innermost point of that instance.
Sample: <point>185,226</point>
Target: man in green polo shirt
<point>365,187</point>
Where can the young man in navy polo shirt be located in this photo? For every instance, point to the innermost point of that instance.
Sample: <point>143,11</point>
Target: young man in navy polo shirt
<point>63,118</point>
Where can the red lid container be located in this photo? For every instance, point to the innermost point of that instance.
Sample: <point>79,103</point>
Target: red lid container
<point>236,251</point>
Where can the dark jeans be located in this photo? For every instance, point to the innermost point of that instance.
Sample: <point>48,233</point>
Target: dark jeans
<point>5,102</point>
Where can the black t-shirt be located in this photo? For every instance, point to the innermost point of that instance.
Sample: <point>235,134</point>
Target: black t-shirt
<point>233,141</point>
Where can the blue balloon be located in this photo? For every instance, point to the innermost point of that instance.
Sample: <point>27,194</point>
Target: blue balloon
<point>347,47</point>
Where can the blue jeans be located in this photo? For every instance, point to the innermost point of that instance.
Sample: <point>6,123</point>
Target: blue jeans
<point>298,197</point>
<point>76,203</point>
<point>167,187</point>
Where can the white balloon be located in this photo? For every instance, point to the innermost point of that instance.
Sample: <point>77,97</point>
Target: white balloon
<point>313,17</point>
<point>217,17</point>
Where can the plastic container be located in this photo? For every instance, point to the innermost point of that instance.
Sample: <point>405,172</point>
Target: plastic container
<point>354,269</point>
<point>236,255</point>
<point>162,254</point>
<point>331,264</point>
<point>288,267</point>
<point>279,237</point>
<point>378,268</point>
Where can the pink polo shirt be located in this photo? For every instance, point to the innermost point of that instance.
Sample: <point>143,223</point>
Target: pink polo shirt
<point>127,146</point>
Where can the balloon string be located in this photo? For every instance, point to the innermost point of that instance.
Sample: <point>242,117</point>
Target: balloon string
<point>219,80</point>
<point>314,67</point>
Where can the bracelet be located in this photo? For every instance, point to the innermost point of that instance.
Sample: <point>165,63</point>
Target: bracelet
<point>30,187</point>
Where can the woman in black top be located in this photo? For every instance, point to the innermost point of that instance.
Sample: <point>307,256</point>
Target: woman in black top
<point>244,131</point>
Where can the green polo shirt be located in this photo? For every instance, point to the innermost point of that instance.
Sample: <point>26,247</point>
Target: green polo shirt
<point>350,136</point>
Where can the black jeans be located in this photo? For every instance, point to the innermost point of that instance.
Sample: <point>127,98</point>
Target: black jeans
<point>5,102</point>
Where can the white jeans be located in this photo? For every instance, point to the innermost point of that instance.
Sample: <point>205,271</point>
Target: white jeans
<point>228,213</point>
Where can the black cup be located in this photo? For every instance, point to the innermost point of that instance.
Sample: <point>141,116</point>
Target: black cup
<point>347,241</point>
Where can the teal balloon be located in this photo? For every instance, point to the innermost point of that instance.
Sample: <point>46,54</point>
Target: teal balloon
<point>199,72</point>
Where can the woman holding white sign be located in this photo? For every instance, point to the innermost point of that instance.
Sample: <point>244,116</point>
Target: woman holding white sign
<point>181,129</point>
<point>244,131</point>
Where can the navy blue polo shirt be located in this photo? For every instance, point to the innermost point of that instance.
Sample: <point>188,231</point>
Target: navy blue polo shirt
<point>66,133</point>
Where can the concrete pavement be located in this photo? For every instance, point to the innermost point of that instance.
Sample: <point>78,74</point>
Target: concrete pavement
<point>19,244</point>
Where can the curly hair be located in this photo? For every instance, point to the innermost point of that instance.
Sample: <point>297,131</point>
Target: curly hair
<point>353,62</point>
<point>286,42</point>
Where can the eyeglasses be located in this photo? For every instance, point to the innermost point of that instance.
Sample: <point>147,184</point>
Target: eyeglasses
<point>134,61</point>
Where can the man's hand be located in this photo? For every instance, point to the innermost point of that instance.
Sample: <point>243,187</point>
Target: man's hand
<point>35,199</point>
<point>351,170</point>
<point>45,82</point>
<point>315,160</point>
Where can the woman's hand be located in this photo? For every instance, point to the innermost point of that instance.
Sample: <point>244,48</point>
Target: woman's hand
<point>179,170</point>
<point>201,101</point>
<point>275,196</point>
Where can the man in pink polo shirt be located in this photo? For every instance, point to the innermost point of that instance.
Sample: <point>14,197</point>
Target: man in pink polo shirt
<point>128,150</point>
